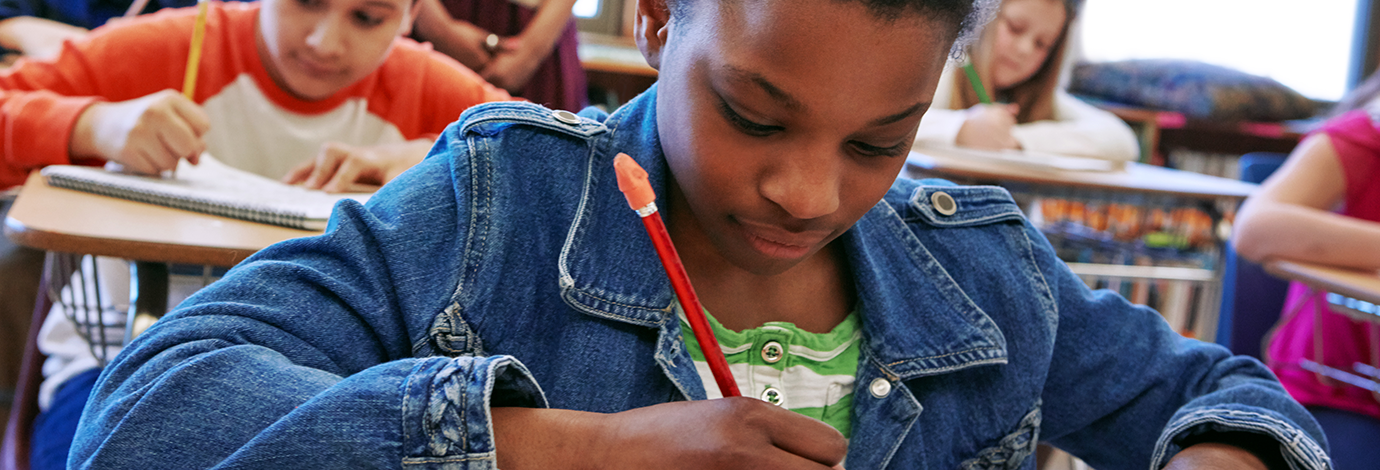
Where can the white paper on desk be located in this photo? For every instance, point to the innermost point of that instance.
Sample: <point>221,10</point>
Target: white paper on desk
<point>211,187</point>
<point>1021,158</point>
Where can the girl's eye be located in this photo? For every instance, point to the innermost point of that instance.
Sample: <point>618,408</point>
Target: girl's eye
<point>748,127</point>
<point>310,3</point>
<point>875,151</point>
<point>366,19</point>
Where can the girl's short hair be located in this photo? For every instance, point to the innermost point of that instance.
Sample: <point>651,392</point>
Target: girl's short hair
<point>967,16</point>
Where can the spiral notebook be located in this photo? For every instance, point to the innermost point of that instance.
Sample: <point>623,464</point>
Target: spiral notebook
<point>211,187</point>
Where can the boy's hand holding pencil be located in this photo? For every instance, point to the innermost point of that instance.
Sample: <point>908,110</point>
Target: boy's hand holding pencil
<point>145,135</point>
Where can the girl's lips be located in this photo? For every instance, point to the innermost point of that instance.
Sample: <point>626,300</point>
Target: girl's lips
<point>778,242</point>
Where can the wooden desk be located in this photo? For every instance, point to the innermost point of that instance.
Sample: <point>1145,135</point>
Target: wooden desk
<point>1360,285</point>
<point>1357,295</point>
<point>67,221</point>
<point>613,63</point>
<point>1138,177</point>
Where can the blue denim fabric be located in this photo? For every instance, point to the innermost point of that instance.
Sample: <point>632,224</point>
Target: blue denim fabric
<point>507,270</point>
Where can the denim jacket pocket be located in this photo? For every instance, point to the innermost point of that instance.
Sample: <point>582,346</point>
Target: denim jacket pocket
<point>1012,450</point>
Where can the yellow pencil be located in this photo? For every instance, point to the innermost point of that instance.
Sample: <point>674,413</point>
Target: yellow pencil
<point>194,56</point>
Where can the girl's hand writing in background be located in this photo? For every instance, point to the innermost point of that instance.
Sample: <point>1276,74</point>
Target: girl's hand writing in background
<point>989,126</point>
<point>145,135</point>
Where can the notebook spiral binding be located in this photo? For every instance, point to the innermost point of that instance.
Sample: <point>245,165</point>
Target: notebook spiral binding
<point>251,212</point>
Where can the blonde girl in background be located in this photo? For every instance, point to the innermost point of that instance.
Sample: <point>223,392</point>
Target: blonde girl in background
<point>1021,59</point>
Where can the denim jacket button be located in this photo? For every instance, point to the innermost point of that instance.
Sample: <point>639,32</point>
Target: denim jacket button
<point>944,203</point>
<point>880,387</point>
<point>566,117</point>
<point>772,352</point>
<point>774,396</point>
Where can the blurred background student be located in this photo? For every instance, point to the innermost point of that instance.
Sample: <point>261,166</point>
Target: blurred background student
<point>1323,206</point>
<point>527,47</point>
<point>36,28</point>
<point>1022,58</point>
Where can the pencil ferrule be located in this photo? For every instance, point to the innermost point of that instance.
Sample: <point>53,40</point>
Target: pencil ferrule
<point>647,210</point>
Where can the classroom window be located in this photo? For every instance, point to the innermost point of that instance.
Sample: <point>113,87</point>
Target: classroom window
<point>600,16</point>
<point>1304,45</point>
<point>586,8</point>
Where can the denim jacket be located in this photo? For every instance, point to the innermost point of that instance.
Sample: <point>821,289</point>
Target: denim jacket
<point>507,270</point>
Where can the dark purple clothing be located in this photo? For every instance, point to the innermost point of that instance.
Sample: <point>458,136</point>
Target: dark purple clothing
<point>559,82</point>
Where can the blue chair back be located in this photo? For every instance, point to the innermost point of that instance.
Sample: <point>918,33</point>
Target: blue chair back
<point>1251,298</point>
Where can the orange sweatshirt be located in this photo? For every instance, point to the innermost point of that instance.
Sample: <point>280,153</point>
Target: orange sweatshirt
<point>255,125</point>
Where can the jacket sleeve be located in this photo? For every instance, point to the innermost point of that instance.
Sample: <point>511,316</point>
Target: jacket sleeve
<point>303,355</point>
<point>1080,129</point>
<point>1121,379</point>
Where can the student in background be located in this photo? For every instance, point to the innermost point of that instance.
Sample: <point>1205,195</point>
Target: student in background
<point>322,92</point>
<point>527,47</point>
<point>501,306</point>
<point>1323,206</point>
<point>1022,58</point>
<point>36,28</point>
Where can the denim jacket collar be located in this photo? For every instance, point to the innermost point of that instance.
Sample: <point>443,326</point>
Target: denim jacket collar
<point>914,325</point>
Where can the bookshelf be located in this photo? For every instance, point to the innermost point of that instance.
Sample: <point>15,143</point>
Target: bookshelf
<point>1154,235</point>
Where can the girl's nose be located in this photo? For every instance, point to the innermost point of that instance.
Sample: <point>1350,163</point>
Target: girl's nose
<point>805,187</point>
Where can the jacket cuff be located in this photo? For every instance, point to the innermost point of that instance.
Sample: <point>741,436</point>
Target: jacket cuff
<point>32,119</point>
<point>1299,450</point>
<point>446,402</point>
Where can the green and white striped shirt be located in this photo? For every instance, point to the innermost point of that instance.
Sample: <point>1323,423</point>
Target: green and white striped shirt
<point>808,373</point>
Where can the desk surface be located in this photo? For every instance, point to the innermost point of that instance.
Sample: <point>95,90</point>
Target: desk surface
<point>1360,285</point>
<point>614,54</point>
<point>1136,177</point>
<point>63,220</point>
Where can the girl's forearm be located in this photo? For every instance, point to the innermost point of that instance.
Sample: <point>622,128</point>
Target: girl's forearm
<point>1287,231</point>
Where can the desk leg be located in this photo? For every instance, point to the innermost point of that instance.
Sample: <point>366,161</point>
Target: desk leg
<point>148,296</point>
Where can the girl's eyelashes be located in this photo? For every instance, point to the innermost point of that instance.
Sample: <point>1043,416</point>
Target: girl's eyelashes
<point>743,124</point>
<point>875,151</point>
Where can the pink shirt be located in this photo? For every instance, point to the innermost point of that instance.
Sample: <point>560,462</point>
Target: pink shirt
<point>1345,341</point>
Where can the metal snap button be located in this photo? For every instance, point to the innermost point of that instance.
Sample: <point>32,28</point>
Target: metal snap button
<point>566,117</point>
<point>772,352</point>
<point>944,203</point>
<point>774,396</point>
<point>880,387</point>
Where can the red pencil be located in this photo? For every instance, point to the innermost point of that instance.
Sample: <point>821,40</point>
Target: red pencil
<point>632,180</point>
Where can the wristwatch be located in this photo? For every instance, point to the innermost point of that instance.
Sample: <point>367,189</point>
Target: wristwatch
<point>492,42</point>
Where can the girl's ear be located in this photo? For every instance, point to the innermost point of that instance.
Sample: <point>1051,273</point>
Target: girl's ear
<point>649,29</point>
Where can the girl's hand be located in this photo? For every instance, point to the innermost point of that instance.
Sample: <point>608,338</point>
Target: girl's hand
<point>144,135</point>
<point>731,433</point>
<point>338,167</point>
<point>511,67</point>
<point>989,126</point>
<point>1215,457</point>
